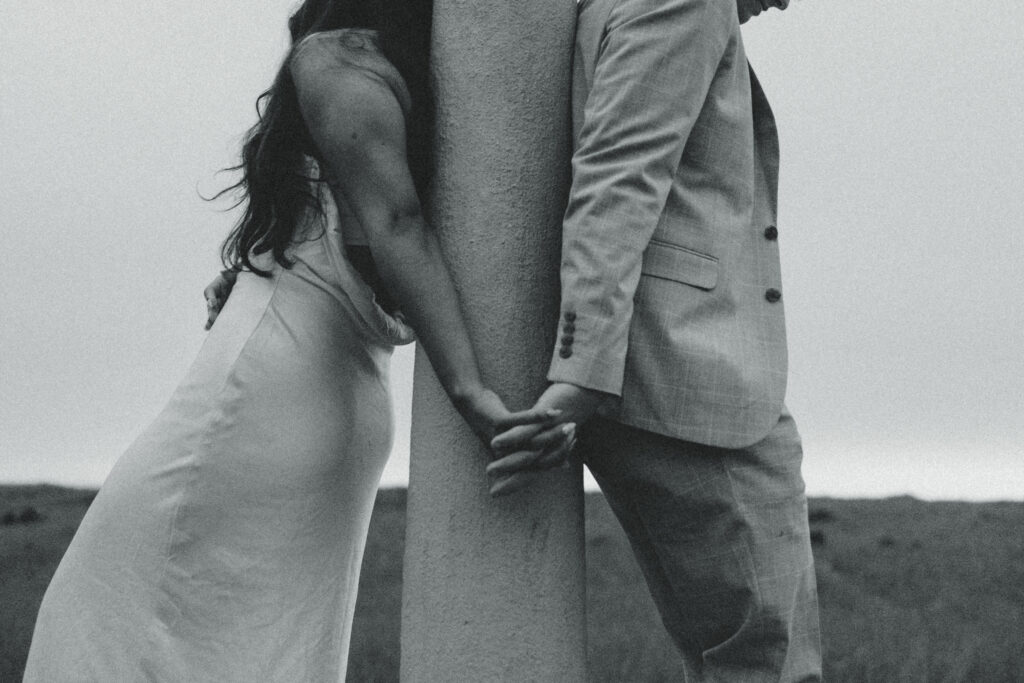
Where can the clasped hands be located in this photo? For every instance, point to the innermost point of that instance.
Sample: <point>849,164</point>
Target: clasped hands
<point>525,444</point>
<point>526,449</point>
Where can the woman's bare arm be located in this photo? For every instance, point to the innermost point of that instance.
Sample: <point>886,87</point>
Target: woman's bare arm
<point>358,128</point>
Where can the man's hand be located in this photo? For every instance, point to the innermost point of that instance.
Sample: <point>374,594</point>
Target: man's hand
<point>217,293</point>
<point>526,450</point>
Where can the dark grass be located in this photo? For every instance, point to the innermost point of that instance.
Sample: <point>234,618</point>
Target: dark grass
<point>910,590</point>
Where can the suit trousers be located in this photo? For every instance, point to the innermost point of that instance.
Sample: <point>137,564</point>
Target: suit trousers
<point>723,541</point>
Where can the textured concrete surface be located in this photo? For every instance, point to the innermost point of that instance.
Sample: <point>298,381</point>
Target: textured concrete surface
<point>493,589</point>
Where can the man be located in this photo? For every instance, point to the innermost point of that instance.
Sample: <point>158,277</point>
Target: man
<point>671,332</point>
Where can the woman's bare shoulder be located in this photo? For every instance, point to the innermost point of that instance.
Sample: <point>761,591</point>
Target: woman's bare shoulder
<point>345,71</point>
<point>344,105</point>
<point>344,53</point>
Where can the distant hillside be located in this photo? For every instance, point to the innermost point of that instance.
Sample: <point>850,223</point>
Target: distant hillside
<point>910,591</point>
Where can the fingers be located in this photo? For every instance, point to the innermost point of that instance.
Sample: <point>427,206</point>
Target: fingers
<point>516,438</point>
<point>217,293</point>
<point>512,463</point>
<point>521,469</point>
<point>544,451</point>
<point>533,415</point>
<point>532,437</point>
<point>530,461</point>
<point>213,307</point>
<point>517,481</point>
<point>214,302</point>
<point>513,483</point>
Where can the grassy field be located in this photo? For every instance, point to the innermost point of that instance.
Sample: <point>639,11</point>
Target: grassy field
<point>910,591</point>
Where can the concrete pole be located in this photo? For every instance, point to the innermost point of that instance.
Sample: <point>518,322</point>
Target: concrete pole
<point>494,589</point>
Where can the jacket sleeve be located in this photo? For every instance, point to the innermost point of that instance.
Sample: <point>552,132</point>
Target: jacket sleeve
<point>656,63</point>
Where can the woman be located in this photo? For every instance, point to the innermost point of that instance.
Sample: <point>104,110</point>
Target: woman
<point>226,543</point>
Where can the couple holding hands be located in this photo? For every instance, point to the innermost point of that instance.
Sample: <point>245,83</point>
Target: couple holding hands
<point>226,543</point>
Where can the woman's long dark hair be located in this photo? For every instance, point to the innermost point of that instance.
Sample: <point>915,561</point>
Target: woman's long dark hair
<point>276,188</point>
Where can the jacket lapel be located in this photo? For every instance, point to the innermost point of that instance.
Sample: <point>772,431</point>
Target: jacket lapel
<point>766,139</point>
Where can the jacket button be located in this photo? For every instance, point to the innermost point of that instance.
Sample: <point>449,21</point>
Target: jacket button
<point>568,328</point>
<point>772,295</point>
<point>567,340</point>
<point>771,232</point>
<point>570,316</point>
<point>565,352</point>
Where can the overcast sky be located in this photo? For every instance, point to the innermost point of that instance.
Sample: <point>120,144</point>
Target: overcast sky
<point>901,227</point>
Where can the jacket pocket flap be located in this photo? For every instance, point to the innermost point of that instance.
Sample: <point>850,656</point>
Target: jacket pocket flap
<point>672,262</point>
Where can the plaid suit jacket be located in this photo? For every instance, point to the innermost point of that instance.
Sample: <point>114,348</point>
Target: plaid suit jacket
<point>671,293</point>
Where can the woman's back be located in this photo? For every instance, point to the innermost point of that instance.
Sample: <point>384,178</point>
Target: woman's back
<point>226,543</point>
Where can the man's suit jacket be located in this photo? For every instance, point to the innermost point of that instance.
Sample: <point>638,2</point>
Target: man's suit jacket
<point>671,293</point>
